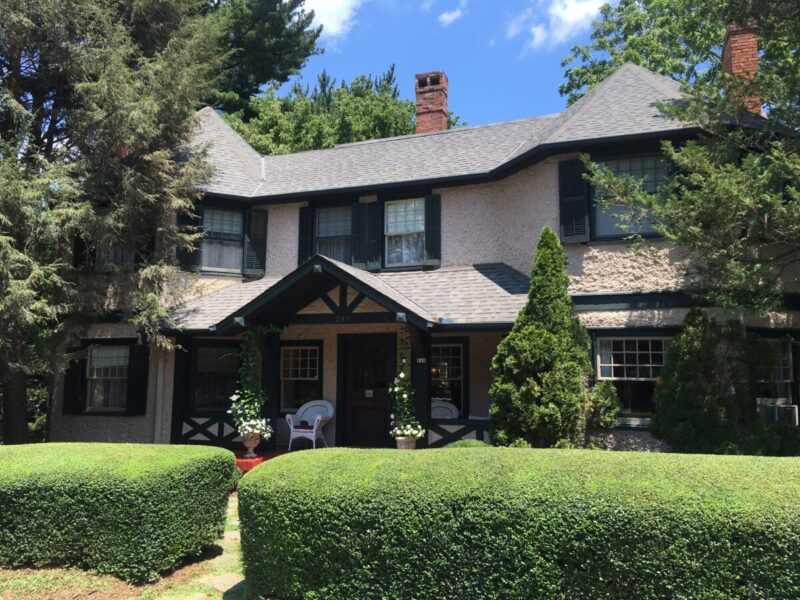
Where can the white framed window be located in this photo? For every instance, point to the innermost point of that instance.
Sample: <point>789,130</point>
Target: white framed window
<point>223,240</point>
<point>633,364</point>
<point>404,232</point>
<point>107,378</point>
<point>333,233</point>
<point>652,169</point>
<point>783,371</point>
<point>300,376</point>
<point>447,380</point>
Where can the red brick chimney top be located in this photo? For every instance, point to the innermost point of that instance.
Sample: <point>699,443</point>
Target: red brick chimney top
<point>431,89</point>
<point>740,57</point>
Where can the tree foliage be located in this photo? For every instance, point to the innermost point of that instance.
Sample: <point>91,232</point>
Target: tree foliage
<point>96,107</point>
<point>541,367</point>
<point>364,109</point>
<point>734,199</point>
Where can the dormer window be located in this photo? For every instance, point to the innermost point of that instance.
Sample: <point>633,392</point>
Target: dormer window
<point>404,232</point>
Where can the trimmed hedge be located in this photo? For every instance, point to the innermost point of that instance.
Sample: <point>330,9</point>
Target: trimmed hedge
<point>127,509</point>
<point>520,523</point>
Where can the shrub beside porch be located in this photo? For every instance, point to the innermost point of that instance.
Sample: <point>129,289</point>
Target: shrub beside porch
<point>520,523</point>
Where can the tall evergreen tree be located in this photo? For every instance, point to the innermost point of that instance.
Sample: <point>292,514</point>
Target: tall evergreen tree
<point>541,368</point>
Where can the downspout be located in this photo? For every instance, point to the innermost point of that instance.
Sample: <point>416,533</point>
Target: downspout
<point>159,397</point>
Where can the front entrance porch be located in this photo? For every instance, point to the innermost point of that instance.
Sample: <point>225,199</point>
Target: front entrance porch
<point>340,337</point>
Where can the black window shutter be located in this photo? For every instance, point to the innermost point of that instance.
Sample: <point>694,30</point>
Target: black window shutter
<point>74,397</point>
<point>82,256</point>
<point>255,243</point>
<point>138,365</point>
<point>573,205</point>
<point>190,260</point>
<point>433,231</point>
<point>374,250</point>
<point>360,235</point>
<point>305,248</point>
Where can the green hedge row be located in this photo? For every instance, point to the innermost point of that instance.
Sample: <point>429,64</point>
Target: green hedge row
<point>520,523</point>
<point>127,509</point>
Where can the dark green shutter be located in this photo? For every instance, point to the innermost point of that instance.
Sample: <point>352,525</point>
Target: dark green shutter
<point>305,248</point>
<point>433,231</point>
<point>190,260</point>
<point>255,243</point>
<point>374,250</point>
<point>573,194</point>
<point>82,256</point>
<point>360,234</point>
<point>74,397</point>
<point>138,366</point>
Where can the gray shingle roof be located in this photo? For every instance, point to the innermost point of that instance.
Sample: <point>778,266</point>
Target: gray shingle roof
<point>468,295</point>
<point>624,104</point>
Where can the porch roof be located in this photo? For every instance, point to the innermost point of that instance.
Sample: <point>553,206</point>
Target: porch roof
<point>448,297</point>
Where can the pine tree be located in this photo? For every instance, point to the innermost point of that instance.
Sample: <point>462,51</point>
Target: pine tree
<point>541,368</point>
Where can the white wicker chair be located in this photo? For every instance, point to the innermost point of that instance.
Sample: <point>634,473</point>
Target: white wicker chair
<point>316,413</point>
<point>443,409</point>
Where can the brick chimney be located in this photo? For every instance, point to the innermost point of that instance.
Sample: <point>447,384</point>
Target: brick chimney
<point>740,58</point>
<point>431,91</point>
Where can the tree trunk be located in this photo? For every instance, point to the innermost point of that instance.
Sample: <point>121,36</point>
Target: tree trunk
<point>15,406</point>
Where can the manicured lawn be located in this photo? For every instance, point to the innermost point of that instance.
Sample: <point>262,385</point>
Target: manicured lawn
<point>216,574</point>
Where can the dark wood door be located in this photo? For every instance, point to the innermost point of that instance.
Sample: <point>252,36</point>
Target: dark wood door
<point>369,368</point>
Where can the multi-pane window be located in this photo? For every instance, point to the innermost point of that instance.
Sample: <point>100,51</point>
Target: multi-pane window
<point>300,376</point>
<point>634,365</point>
<point>333,233</point>
<point>223,240</point>
<point>782,380</point>
<point>405,232</point>
<point>216,377</point>
<point>447,381</point>
<point>610,221</point>
<point>107,378</point>
<point>115,255</point>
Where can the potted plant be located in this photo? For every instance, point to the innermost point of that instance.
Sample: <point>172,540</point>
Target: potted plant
<point>406,430</point>
<point>247,406</point>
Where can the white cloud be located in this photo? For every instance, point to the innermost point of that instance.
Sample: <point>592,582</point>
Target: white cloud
<point>553,22</point>
<point>449,17</point>
<point>337,17</point>
<point>427,5</point>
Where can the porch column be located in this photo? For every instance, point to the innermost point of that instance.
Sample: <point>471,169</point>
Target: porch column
<point>270,381</point>
<point>421,377</point>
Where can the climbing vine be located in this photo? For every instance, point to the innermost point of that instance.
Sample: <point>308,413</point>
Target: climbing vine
<point>247,404</point>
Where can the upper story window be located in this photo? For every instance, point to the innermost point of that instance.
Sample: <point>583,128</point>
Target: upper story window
<point>333,233</point>
<point>610,221</point>
<point>577,200</point>
<point>223,240</point>
<point>107,378</point>
<point>404,232</point>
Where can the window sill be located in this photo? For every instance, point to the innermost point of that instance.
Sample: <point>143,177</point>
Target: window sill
<point>106,413</point>
<point>216,273</point>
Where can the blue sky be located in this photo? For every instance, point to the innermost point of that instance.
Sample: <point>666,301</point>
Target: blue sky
<point>501,56</point>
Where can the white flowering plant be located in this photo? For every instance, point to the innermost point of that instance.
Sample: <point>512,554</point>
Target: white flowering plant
<point>247,406</point>
<point>403,422</point>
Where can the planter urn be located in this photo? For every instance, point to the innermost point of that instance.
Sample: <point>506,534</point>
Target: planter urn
<point>251,442</point>
<point>406,443</point>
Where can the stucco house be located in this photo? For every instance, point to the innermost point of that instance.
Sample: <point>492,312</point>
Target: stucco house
<point>416,246</point>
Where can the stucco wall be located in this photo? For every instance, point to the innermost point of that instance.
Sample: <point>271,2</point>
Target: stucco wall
<point>673,317</point>
<point>501,222</point>
<point>283,230</point>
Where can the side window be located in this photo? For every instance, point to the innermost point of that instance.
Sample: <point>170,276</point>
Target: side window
<point>217,377</point>
<point>223,240</point>
<point>404,232</point>
<point>609,222</point>
<point>448,393</point>
<point>333,233</point>
<point>301,379</point>
<point>107,378</point>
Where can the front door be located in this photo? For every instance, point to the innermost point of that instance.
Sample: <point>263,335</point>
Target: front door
<point>368,369</point>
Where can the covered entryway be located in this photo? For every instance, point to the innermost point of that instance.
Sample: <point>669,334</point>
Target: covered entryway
<point>367,366</point>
